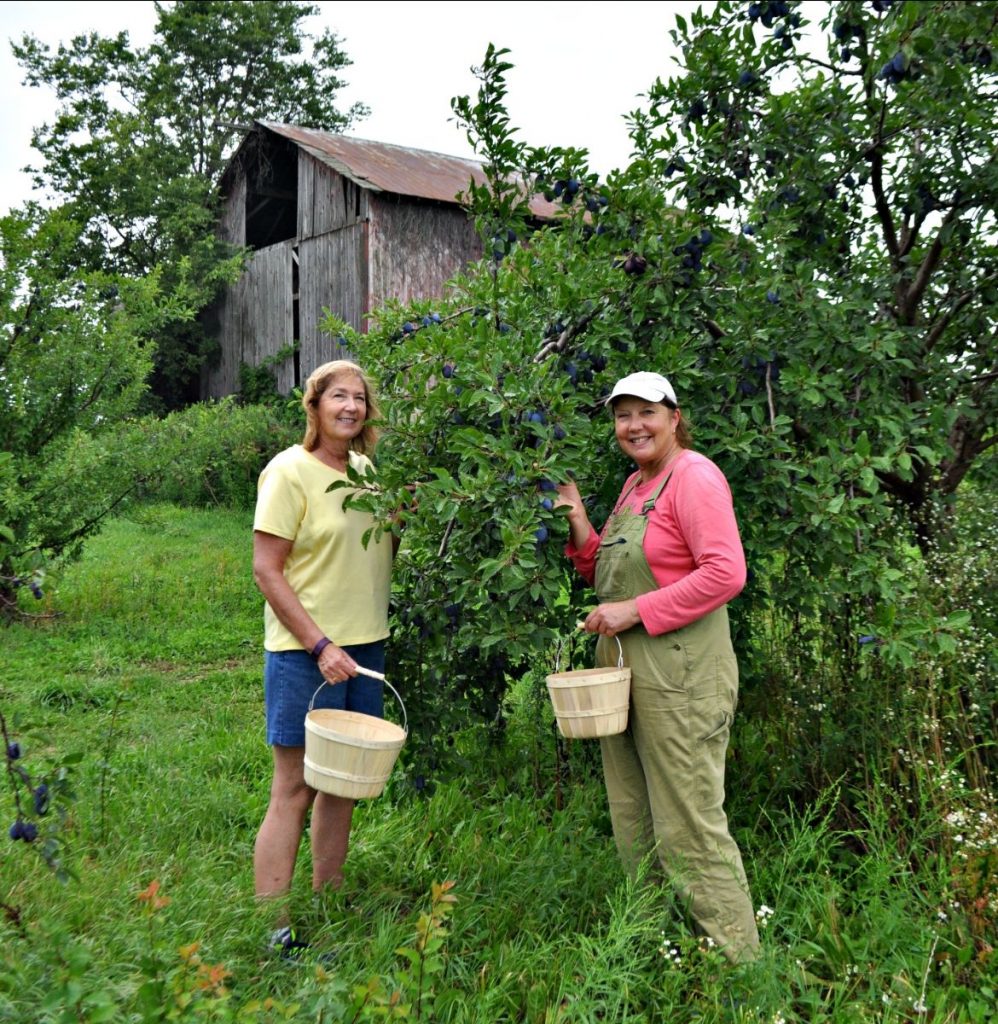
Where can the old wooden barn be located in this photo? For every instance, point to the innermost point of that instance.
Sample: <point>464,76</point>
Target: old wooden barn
<point>333,223</point>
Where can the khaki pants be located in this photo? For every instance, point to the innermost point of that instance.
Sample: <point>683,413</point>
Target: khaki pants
<point>665,774</point>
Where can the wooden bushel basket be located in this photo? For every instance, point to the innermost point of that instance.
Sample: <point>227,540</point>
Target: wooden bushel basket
<point>349,754</point>
<point>591,702</point>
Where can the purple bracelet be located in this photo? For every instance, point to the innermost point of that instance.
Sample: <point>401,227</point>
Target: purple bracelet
<point>320,646</point>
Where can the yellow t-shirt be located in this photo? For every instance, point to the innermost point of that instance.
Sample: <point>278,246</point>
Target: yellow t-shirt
<point>341,584</point>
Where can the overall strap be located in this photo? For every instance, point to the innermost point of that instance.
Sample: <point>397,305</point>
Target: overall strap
<point>626,494</point>
<point>650,503</point>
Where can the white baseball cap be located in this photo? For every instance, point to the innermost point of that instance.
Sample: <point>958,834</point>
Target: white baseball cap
<point>652,387</point>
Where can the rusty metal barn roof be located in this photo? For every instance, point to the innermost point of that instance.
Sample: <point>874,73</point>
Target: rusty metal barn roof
<point>383,167</point>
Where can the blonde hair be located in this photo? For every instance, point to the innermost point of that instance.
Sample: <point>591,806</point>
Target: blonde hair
<point>684,434</point>
<point>318,382</point>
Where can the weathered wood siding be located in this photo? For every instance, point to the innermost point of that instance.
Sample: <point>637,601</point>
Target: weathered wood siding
<point>356,248</point>
<point>232,219</point>
<point>255,318</point>
<point>416,247</point>
<point>332,274</point>
<point>326,200</point>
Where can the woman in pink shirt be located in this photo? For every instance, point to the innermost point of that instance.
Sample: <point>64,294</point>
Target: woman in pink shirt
<point>664,566</point>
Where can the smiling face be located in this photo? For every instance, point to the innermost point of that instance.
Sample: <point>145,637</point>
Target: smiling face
<point>646,432</point>
<point>342,410</point>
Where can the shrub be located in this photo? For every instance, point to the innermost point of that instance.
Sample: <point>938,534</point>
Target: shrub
<point>211,454</point>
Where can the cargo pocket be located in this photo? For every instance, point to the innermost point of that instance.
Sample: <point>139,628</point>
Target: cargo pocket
<point>723,726</point>
<point>712,728</point>
<point>612,570</point>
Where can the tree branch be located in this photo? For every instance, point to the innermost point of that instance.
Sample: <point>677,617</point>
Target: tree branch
<point>909,301</point>
<point>937,329</point>
<point>560,343</point>
<point>883,210</point>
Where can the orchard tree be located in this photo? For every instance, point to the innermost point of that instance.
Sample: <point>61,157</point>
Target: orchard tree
<point>143,133</point>
<point>856,157</point>
<point>73,365</point>
<point>772,248</point>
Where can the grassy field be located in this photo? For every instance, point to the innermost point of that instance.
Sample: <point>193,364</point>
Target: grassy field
<point>137,694</point>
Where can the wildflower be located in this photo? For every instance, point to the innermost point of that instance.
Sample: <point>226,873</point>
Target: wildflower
<point>150,896</point>
<point>212,978</point>
<point>671,952</point>
<point>763,914</point>
<point>919,1005</point>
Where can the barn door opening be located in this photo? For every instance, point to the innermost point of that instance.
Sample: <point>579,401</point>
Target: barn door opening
<point>296,315</point>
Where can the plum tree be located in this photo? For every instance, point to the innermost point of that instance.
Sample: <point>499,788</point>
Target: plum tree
<point>828,327</point>
<point>891,287</point>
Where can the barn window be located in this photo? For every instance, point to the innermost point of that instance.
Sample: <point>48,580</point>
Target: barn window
<point>271,191</point>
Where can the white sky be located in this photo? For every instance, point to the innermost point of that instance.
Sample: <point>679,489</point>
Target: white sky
<point>580,67</point>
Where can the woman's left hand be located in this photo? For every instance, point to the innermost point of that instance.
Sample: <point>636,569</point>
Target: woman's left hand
<point>336,665</point>
<point>612,618</point>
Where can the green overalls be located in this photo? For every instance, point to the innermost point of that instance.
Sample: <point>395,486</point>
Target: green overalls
<point>665,774</point>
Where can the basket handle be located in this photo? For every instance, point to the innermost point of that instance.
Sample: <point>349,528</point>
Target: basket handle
<point>374,675</point>
<point>620,655</point>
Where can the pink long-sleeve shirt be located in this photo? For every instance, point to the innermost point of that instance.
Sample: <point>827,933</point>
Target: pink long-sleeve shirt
<point>691,544</point>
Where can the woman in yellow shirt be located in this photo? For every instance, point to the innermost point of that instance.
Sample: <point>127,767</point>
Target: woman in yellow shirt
<point>326,614</point>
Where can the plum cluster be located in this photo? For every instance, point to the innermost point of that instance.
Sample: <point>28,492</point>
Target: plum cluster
<point>31,583</point>
<point>583,367</point>
<point>768,12</point>
<point>430,320</point>
<point>568,190</point>
<point>758,370</point>
<point>26,830</point>
<point>976,53</point>
<point>845,31</point>
<point>896,70</point>
<point>565,189</point>
<point>690,255</point>
<point>21,829</point>
<point>634,264</point>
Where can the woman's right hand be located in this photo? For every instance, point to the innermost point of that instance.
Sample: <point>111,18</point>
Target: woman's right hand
<point>578,518</point>
<point>570,498</point>
<point>335,664</point>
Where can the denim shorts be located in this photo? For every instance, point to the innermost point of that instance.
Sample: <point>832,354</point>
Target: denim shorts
<point>290,678</point>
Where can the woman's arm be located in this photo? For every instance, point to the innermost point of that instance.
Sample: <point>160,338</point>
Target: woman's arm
<point>270,552</point>
<point>578,518</point>
<point>611,618</point>
<point>705,519</point>
<point>583,541</point>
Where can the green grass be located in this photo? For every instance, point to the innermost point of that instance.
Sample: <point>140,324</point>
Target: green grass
<point>149,672</point>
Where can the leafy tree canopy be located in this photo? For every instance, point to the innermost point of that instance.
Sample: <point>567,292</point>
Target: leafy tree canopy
<point>805,244</point>
<point>73,365</point>
<point>143,133</point>
<point>866,177</point>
